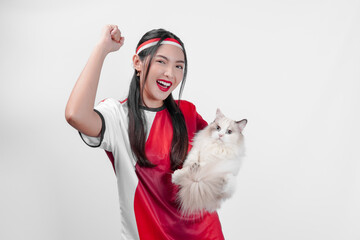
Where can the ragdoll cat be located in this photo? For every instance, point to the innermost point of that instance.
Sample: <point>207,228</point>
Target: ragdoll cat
<point>209,172</point>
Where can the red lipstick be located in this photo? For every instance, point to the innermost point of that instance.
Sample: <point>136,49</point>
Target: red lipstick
<point>163,85</point>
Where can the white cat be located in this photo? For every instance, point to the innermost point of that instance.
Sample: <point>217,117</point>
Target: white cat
<point>209,172</point>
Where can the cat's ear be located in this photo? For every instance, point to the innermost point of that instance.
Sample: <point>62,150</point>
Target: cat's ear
<point>241,124</point>
<point>219,114</point>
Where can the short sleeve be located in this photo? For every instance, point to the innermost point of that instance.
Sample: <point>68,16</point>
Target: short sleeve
<point>95,141</point>
<point>112,117</point>
<point>200,122</point>
<point>194,121</point>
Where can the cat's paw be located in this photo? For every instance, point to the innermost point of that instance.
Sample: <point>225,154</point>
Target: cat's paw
<point>194,167</point>
<point>176,176</point>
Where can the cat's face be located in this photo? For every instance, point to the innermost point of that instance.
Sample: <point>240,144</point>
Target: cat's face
<point>226,130</point>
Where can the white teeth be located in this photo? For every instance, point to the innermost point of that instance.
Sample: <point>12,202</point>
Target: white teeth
<point>164,83</point>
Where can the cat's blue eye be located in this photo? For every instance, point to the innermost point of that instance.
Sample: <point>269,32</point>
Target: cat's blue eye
<point>218,128</point>
<point>229,131</point>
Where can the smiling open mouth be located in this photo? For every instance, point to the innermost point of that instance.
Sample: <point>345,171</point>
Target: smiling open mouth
<point>164,85</point>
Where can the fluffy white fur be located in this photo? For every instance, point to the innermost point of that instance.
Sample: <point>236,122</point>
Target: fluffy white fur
<point>209,172</point>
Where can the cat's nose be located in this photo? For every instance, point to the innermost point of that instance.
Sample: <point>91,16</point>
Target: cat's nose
<point>220,135</point>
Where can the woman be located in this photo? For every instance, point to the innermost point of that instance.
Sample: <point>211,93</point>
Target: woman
<point>146,136</point>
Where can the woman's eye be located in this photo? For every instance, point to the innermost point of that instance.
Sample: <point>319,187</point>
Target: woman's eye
<point>218,128</point>
<point>180,67</point>
<point>228,131</point>
<point>160,61</point>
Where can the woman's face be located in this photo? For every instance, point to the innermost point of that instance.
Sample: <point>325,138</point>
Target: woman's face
<point>165,74</point>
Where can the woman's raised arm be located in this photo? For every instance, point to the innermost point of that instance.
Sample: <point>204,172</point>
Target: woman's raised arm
<point>79,111</point>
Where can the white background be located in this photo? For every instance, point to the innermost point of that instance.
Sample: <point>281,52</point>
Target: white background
<point>292,68</point>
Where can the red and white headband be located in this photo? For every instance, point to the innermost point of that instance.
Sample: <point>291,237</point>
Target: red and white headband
<point>154,41</point>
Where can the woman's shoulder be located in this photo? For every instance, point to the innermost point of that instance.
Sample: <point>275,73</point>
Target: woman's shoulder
<point>186,106</point>
<point>193,119</point>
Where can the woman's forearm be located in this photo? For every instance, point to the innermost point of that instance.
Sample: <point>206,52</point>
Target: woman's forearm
<point>79,109</point>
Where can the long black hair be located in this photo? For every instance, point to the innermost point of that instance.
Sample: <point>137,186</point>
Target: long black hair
<point>137,122</point>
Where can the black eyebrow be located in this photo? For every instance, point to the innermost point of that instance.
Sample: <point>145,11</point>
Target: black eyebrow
<point>179,61</point>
